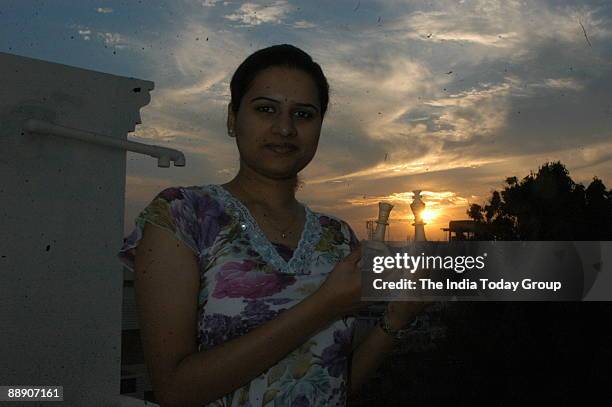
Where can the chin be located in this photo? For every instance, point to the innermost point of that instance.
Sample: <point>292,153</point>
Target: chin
<point>277,170</point>
<point>281,175</point>
<point>281,171</point>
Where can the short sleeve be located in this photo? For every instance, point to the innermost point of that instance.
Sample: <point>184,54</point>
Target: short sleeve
<point>172,210</point>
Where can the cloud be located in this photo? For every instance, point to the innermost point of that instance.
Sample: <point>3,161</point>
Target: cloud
<point>111,39</point>
<point>85,34</point>
<point>210,3</point>
<point>449,97</point>
<point>104,10</point>
<point>188,107</point>
<point>475,112</point>
<point>374,89</point>
<point>561,83</point>
<point>436,200</point>
<point>303,24</point>
<point>256,14</point>
<point>440,26</point>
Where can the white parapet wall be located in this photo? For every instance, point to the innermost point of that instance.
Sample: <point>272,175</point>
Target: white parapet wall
<point>61,224</point>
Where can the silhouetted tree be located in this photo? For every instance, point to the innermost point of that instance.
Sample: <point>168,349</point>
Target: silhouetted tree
<point>547,205</point>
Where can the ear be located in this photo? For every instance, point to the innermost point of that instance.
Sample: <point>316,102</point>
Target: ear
<point>231,120</point>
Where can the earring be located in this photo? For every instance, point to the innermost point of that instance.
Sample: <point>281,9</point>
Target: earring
<point>230,133</point>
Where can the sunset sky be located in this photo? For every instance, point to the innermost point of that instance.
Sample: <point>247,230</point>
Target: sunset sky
<point>449,97</point>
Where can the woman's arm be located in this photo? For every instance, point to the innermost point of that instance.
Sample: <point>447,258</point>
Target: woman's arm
<point>167,307</point>
<point>368,356</point>
<point>377,345</point>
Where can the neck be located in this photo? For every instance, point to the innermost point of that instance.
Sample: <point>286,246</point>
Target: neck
<point>272,193</point>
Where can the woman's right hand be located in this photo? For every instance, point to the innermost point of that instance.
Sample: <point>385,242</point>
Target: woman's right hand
<point>342,288</point>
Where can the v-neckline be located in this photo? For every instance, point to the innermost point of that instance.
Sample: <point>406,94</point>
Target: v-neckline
<point>299,261</point>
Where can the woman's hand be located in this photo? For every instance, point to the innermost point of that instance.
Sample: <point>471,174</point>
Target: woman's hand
<point>402,312</point>
<point>342,288</point>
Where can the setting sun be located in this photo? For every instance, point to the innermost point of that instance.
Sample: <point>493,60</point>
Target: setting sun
<point>429,215</point>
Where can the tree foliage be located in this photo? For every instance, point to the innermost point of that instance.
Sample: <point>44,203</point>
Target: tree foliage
<point>547,205</point>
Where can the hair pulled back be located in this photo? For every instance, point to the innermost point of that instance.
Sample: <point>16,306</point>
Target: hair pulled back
<point>283,55</point>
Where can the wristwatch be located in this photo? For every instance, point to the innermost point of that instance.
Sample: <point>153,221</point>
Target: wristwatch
<point>385,325</point>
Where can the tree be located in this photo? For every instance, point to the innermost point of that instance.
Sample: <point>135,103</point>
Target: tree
<point>547,205</point>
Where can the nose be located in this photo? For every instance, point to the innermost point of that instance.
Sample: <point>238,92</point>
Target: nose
<point>284,125</point>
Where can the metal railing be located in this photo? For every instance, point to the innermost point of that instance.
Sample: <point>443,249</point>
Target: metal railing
<point>164,155</point>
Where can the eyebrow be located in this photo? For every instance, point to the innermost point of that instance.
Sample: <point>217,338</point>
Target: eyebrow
<point>277,101</point>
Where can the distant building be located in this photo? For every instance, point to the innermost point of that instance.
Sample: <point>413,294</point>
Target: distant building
<point>460,230</point>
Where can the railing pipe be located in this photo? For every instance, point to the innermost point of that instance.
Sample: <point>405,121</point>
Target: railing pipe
<point>164,155</point>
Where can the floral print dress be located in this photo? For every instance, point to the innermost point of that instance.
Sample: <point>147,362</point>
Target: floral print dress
<point>245,280</point>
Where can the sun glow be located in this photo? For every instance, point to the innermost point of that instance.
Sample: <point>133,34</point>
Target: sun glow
<point>429,215</point>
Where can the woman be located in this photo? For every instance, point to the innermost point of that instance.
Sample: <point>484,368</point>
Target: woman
<point>247,301</point>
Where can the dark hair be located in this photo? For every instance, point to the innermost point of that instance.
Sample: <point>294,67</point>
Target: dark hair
<point>277,55</point>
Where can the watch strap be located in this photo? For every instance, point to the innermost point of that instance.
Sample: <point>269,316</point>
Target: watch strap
<point>385,325</point>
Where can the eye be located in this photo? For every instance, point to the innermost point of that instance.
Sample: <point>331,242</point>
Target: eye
<point>265,109</point>
<point>304,114</point>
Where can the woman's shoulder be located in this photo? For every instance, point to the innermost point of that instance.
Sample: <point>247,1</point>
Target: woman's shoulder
<point>328,219</point>
<point>183,192</point>
<point>193,202</point>
<point>196,210</point>
<point>187,195</point>
<point>336,229</point>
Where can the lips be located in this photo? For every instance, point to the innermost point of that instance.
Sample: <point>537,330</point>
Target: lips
<point>281,148</point>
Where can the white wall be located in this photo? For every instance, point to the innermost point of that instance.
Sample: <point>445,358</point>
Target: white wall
<point>60,308</point>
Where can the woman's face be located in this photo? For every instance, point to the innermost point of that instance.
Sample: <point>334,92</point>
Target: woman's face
<point>278,124</point>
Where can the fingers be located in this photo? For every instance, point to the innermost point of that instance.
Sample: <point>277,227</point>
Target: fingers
<point>354,256</point>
